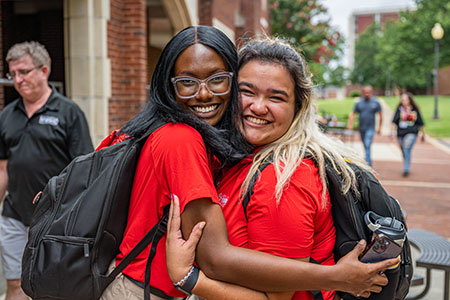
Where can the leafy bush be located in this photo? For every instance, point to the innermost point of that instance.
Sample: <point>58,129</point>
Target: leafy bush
<point>355,93</point>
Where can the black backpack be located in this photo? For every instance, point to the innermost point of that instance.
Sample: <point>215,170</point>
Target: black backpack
<point>78,225</point>
<point>348,216</point>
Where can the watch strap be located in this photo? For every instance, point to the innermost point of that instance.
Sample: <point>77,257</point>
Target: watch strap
<point>187,284</point>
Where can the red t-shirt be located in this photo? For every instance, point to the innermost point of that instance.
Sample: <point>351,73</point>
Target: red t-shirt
<point>299,226</point>
<point>173,161</point>
<point>112,139</point>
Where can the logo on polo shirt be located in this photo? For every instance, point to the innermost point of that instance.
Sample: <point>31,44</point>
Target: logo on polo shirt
<point>48,120</point>
<point>223,199</point>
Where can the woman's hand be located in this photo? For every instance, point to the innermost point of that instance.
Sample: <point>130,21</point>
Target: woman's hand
<point>363,278</point>
<point>180,254</point>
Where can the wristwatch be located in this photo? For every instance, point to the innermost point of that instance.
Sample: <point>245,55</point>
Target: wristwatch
<point>187,284</point>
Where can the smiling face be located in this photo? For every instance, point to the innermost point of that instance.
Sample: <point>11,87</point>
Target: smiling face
<point>200,62</point>
<point>268,101</point>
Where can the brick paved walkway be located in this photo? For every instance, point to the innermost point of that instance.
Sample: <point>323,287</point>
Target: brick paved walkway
<point>425,194</point>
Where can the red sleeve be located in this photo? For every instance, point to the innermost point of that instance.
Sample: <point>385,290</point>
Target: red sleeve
<point>112,139</point>
<point>285,229</point>
<point>181,163</point>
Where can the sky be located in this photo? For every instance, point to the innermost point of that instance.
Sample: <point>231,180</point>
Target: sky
<point>340,10</point>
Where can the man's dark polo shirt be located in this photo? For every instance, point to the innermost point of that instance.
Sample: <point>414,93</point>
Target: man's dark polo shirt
<point>38,148</point>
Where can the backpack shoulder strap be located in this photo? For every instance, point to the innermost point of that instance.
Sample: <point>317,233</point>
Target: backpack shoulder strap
<point>347,208</point>
<point>158,227</point>
<point>161,229</point>
<point>248,195</point>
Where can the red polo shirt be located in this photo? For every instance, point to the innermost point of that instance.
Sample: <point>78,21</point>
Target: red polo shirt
<point>298,226</point>
<point>172,161</point>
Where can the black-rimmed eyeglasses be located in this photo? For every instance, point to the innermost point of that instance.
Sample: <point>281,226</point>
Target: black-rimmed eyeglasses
<point>188,87</point>
<point>22,73</point>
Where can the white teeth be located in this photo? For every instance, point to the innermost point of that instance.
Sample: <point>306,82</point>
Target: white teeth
<point>257,121</point>
<point>203,109</point>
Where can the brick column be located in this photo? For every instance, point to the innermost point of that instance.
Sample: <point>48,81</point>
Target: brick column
<point>253,13</point>
<point>205,12</point>
<point>127,51</point>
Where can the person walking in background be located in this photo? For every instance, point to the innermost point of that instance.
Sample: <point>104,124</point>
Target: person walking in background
<point>40,133</point>
<point>408,122</point>
<point>366,107</point>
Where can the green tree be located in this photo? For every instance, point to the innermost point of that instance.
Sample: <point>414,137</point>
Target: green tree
<point>336,76</point>
<point>366,70</point>
<point>403,52</point>
<point>305,24</point>
<point>408,48</point>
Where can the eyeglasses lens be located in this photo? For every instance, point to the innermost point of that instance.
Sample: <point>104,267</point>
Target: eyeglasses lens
<point>22,73</point>
<point>217,85</point>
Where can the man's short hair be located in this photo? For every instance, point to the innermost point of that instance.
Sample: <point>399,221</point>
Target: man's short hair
<point>36,51</point>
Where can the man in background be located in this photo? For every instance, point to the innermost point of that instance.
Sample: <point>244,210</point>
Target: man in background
<point>40,133</point>
<point>367,107</point>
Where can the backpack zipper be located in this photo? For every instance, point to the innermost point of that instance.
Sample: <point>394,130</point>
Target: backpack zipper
<point>56,205</point>
<point>85,242</point>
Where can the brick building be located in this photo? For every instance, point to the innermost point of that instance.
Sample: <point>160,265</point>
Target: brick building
<point>104,51</point>
<point>444,79</point>
<point>358,23</point>
<point>361,19</point>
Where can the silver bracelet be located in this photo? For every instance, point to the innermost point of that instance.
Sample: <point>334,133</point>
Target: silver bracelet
<point>187,284</point>
<point>180,283</point>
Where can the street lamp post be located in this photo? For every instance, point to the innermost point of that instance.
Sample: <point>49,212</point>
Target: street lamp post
<point>437,33</point>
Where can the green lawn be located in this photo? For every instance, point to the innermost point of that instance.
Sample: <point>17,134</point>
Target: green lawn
<point>339,108</point>
<point>436,128</point>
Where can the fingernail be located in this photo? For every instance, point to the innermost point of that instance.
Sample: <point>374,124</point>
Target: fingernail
<point>171,196</point>
<point>202,225</point>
